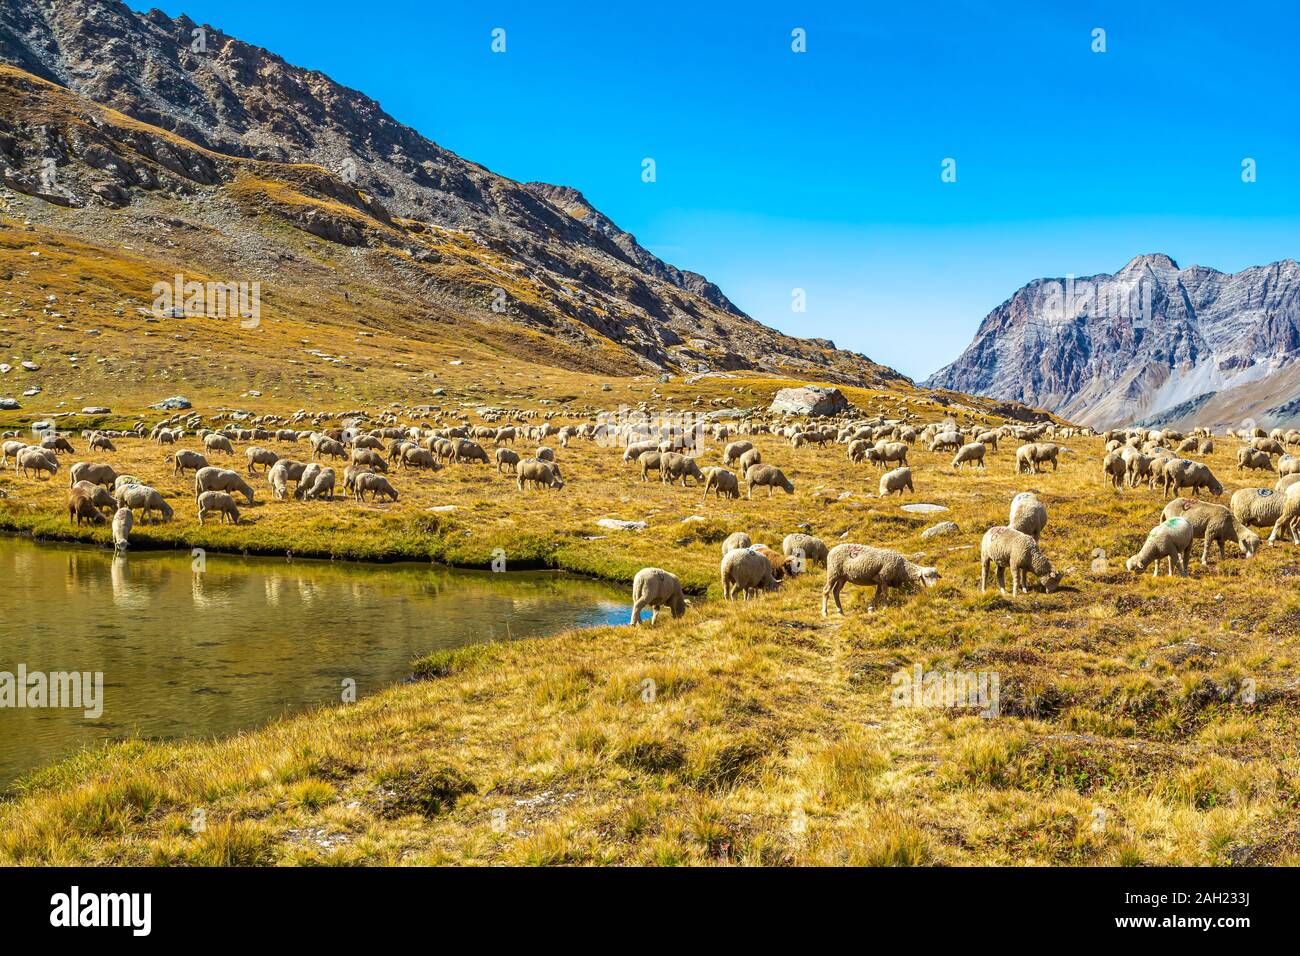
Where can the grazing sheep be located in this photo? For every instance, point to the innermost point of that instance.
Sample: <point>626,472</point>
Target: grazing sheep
<point>10,449</point>
<point>218,503</point>
<point>1030,457</point>
<point>767,476</point>
<point>737,539</point>
<point>413,456</point>
<point>946,441</point>
<point>891,452</point>
<point>82,508</point>
<point>655,588</point>
<point>257,455</point>
<point>282,472</point>
<point>862,565</point>
<point>57,443</point>
<point>858,450</point>
<point>184,461</point>
<point>37,460</point>
<point>1288,465</point>
<point>101,443</point>
<point>332,447</point>
<point>989,438</point>
<point>123,520</point>
<point>731,454</point>
<point>545,454</point>
<point>538,474</point>
<point>95,473</point>
<point>1004,548</point>
<point>98,496</point>
<point>746,571</point>
<point>215,441</point>
<point>1285,482</point>
<point>322,486</point>
<point>221,479</point>
<point>466,451</point>
<point>1113,469</point>
<point>1028,514</point>
<point>722,482</point>
<point>1289,519</point>
<point>896,481</point>
<point>375,484</point>
<point>147,500</point>
<point>751,457</point>
<point>1252,458</point>
<point>650,461</point>
<point>507,461</point>
<point>1180,473</point>
<point>634,451</point>
<point>972,453</point>
<point>1171,539</point>
<point>124,481</point>
<point>350,478</point>
<point>675,467</point>
<point>1139,467</point>
<point>370,459</point>
<point>1257,507</point>
<point>803,549</point>
<point>1215,524</point>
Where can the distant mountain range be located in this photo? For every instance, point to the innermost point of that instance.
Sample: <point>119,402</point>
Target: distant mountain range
<point>1152,342</point>
<point>224,159</point>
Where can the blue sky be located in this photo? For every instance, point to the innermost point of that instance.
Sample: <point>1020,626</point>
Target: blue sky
<point>821,170</point>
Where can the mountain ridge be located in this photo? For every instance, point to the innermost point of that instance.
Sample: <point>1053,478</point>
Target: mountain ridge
<point>382,186</point>
<point>1115,348</point>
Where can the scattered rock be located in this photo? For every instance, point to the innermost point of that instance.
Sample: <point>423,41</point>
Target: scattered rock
<point>9,404</point>
<point>96,410</point>
<point>616,525</point>
<point>31,366</point>
<point>176,401</point>
<point>943,527</point>
<point>922,508</point>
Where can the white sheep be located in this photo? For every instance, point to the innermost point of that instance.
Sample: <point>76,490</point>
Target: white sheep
<point>1171,539</point>
<point>862,565</point>
<point>896,481</point>
<point>655,588</point>
<point>122,522</point>
<point>1004,548</point>
<point>746,571</point>
<point>1028,514</point>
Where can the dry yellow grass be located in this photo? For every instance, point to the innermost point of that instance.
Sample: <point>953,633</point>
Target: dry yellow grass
<point>1128,731</point>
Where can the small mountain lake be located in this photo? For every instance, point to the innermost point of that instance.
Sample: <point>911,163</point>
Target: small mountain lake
<point>187,653</point>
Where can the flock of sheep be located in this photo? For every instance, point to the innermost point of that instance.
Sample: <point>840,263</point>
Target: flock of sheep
<point>371,456</point>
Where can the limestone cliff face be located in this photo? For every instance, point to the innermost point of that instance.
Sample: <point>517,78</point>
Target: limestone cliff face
<point>1151,341</point>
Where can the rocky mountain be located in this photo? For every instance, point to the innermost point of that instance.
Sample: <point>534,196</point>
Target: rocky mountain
<point>121,125</point>
<point>1152,342</point>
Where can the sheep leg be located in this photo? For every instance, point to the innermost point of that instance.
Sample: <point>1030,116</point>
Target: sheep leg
<point>984,575</point>
<point>1002,579</point>
<point>880,597</point>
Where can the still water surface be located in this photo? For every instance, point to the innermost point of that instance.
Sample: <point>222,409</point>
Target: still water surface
<point>187,654</point>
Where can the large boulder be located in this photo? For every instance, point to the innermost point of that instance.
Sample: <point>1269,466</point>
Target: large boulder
<point>173,403</point>
<point>809,400</point>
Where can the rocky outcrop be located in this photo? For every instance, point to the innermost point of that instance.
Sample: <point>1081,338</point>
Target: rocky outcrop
<point>814,400</point>
<point>1154,337</point>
